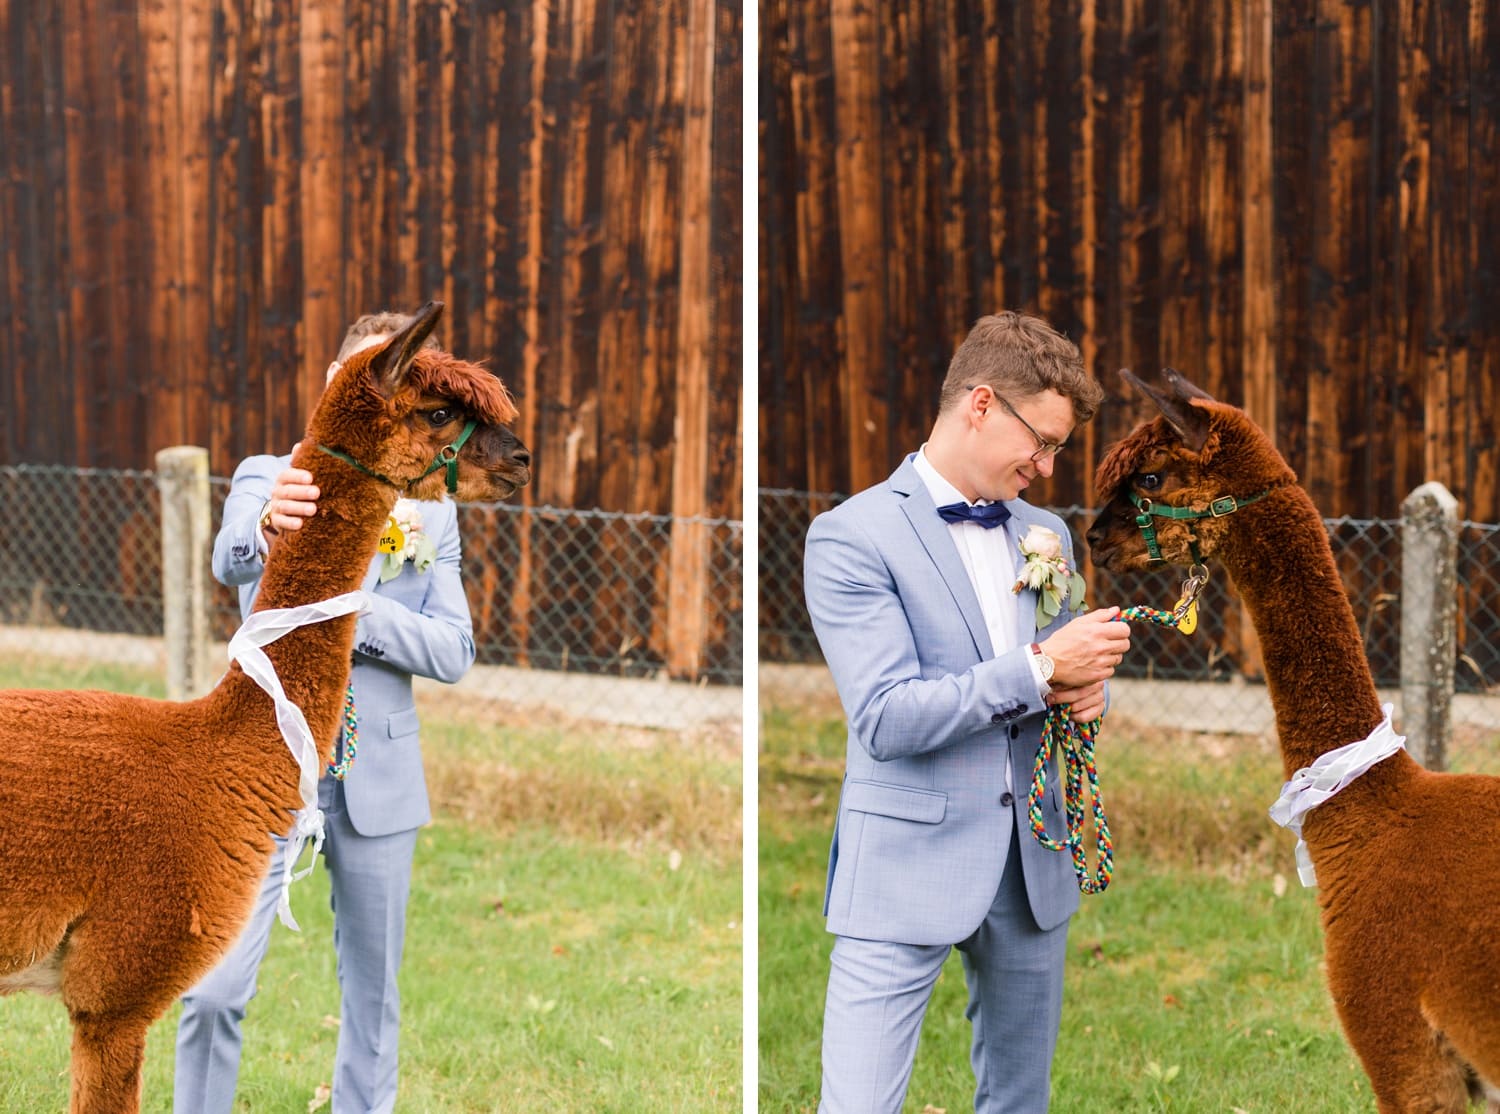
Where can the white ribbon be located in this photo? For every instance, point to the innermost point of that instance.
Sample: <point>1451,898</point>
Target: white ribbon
<point>260,629</point>
<point>1312,785</point>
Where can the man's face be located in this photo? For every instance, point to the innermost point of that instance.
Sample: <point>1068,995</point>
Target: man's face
<point>368,342</point>
<point>1008,455</point>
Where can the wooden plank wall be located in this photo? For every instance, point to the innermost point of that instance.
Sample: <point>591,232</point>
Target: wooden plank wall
<point>197,196</point>
<point>1296,202</point>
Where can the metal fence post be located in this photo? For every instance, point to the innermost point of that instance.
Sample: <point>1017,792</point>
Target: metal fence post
<point>1429,606</point>
<point>182,478</point>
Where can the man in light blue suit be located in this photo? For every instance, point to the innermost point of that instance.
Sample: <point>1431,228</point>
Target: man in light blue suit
<point>944,677</point>
<point>418,624</point>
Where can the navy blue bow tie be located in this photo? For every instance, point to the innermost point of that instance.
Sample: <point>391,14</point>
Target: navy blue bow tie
<point>989,516</point>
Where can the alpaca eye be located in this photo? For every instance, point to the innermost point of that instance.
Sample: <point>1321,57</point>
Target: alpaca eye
<point>1148,481</point>
<point>440,417</point>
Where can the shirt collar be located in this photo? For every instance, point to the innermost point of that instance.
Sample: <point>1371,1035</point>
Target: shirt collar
<point>941,490</point>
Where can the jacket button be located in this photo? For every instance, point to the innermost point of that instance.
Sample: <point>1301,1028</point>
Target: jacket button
<point>1007,799</point>
<point>997,718</point>
<point>1015,732</point>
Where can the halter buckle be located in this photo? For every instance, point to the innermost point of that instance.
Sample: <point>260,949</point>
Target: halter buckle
<point>1224,504</point>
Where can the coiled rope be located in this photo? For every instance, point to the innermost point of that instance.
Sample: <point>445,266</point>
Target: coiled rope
<point>1075,741</point>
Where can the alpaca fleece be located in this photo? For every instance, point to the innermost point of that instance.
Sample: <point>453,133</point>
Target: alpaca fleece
<point>135,834</point>
<point>1408,892</point>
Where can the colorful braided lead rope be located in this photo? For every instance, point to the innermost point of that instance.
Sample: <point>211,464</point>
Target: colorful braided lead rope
<point>340,769</point>
<point>1076,742</point>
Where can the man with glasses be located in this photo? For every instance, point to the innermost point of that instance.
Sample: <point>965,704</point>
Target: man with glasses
<point>945,678</point>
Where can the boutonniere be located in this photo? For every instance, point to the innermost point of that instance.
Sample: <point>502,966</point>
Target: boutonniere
<point>404,540</point>
<point>1046,572</point>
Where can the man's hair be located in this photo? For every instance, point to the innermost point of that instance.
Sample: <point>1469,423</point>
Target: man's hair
<point>1019,356</point>
<point>373,324</point>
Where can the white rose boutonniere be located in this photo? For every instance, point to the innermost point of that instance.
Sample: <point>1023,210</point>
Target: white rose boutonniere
<point>404,540</point>
<point>1046,572</point>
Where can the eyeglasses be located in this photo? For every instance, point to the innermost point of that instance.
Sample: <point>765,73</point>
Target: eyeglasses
<point>1045,448</point>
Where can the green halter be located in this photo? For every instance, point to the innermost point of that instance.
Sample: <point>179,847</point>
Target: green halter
<point>1225,504</point>
<point>447,455</point>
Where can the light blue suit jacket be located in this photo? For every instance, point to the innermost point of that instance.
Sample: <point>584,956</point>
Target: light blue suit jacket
<point>922,833</point>
<point>419,623</point>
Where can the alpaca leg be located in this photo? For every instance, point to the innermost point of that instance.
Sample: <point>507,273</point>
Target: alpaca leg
<point>1412,1069</point>
<point>1471,1028</point>
<point>1415,1076</point>
<point>107,1056</point>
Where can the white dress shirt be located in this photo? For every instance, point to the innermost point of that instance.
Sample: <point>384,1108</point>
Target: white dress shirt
<point>987,559</point>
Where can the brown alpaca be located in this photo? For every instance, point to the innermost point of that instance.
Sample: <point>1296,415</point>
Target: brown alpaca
<point>1404,857</point>
<point>135,834</point>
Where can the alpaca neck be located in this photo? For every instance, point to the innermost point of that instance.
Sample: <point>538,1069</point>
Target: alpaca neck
<point>1320,683</point>
<point>328,556</point>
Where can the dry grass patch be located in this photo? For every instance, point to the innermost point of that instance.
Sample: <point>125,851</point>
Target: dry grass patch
<point>637,789</point>
<point>1185,799</point>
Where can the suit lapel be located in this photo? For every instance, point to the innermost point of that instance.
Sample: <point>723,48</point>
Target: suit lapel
<point>933,533</point>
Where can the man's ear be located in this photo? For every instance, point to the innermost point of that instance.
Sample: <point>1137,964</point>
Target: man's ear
<point>391,362</point>
<point>970,400</point>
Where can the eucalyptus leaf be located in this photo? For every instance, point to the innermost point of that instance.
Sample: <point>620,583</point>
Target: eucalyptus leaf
<point>426,553</point>
<point>390,567</point>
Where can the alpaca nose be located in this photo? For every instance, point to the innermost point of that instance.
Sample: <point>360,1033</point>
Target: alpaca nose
<point>521,455</point>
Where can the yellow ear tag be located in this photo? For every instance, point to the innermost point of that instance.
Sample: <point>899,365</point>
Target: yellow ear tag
<point>392,540</point>
<point>1189,621</point>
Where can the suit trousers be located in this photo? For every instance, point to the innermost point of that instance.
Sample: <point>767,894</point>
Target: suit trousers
<point>878,994</point>
<point>371,880</point>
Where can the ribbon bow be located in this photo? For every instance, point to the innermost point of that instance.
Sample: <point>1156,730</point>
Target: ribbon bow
<point>260,629</point>
<point>1312,785</point>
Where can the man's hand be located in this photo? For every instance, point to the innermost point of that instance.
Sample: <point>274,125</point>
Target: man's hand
<point>294,497</point>
<point>1085,703</point>
<point>1086,651</point>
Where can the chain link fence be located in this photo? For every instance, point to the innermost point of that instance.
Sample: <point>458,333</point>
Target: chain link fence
<point>1211,680</point>
<point>570,607</point>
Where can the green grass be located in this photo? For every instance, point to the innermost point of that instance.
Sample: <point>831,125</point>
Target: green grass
<point>1194,983</point>
<point>573,938</point>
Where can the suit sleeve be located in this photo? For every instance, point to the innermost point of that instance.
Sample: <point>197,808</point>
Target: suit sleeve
<point>436,641</point>
<point>867,640</point>
<point>237,556</point>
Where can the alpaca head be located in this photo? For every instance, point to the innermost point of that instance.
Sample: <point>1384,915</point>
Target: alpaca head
<point>1196,455</point>
<point>400,413</point>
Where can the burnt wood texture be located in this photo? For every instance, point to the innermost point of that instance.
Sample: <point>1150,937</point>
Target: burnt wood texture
<point>198,196</point>
<point>1295,202</point>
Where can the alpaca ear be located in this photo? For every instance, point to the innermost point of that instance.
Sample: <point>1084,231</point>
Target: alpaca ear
<point>1190,422</point>
<point>391,362</point>
<point>1182,388</point>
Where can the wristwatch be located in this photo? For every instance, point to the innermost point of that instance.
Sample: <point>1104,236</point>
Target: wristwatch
<point>265,518</point>
<point>1043,662</point>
